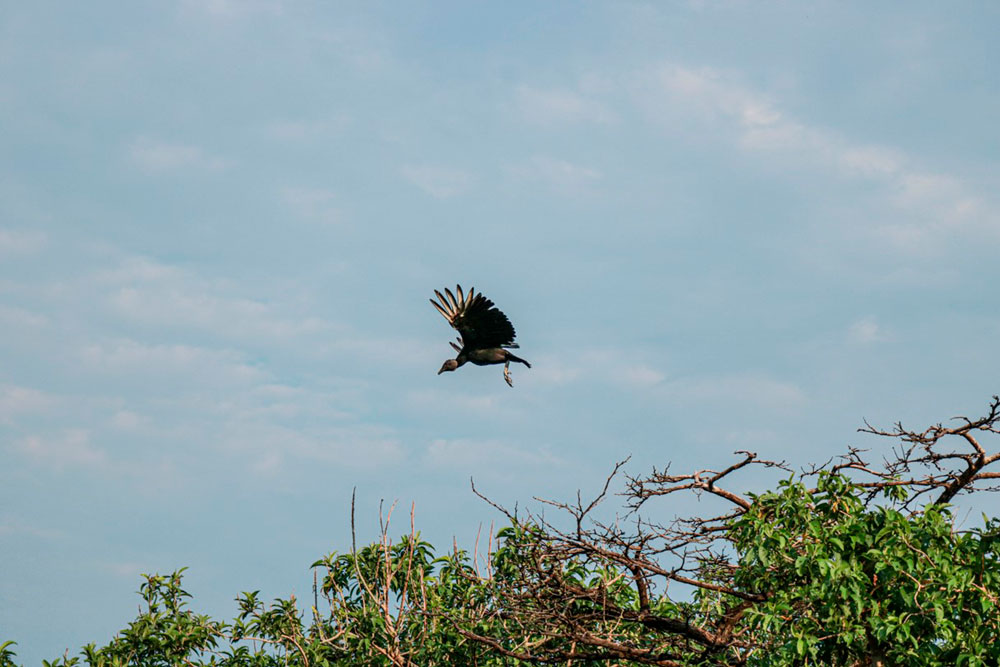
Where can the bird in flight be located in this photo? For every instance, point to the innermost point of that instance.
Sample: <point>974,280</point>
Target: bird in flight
<point>486,336</point>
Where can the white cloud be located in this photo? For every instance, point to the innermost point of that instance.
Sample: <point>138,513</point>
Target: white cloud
<point>233,316</point>
<point>173,300</point>
<point>354,446</point>
<point>155,155</point>
<point>560,106</point>
<point>313,204</point>
<point>554,372</point>
<point>236,8</point>
<point>20,241</point>
<point>195,364</point>
<point>138,268</point>
<point>939,193</point>
<point>471,405</point>
<point>126,420</point>
<point>127,570</point>
<point>561,175</point>
<point>278,402</point>
<point>366,48</point>
<point>70,448</point>
<point>738,388</point>
<point>265,446</point>
<point>395,351</point>
<point>14,526</point>
<point>16,400</point>
<point>920,276</point>
<point>871,161</point>
<point>73,449</point>
<point>12,318</point>
<point>153,293</point>
<point>438,182</point>
<point>303,130</point>
<point>933,202</point>
<point>867,331</point>
<point>477,454</point>
<point>595,364</point>
<point>641,376</point>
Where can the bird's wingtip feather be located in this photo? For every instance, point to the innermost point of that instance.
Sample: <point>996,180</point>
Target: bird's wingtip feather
<point>444,304</point>
<point>451,298</point>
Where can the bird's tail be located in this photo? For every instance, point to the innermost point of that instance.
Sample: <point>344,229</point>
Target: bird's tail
<point>511,357</point>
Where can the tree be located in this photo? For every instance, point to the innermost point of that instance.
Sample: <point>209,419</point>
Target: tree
<point>847,563</point>
<point>383,604</point>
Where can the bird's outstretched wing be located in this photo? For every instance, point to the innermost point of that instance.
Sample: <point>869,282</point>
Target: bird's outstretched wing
<point>480,323</point>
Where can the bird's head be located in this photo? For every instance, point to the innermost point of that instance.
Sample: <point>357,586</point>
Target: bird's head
<point>449,365</point>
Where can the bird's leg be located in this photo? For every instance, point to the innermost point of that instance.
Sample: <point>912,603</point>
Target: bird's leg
<point>506,374</point>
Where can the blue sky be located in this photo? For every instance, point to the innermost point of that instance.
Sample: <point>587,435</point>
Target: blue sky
<point>716,226</point>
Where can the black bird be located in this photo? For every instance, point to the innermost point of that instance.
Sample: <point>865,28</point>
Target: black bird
<point>486,335</point>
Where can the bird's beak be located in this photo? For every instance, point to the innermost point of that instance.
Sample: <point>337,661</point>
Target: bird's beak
<point>440,371</point>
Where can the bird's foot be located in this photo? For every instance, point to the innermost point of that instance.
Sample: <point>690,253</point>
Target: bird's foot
<point>507,377</point>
